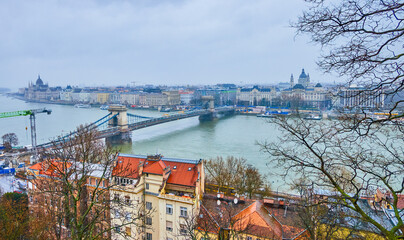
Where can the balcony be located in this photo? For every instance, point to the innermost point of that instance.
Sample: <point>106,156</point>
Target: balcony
<point>184,198</point>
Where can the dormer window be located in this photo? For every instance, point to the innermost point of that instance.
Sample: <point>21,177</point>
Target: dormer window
<point>175,167</point>
<point>189,169</point>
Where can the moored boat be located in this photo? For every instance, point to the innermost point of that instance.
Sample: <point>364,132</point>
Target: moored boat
<point>313,117</point>
<point>104,107</point>
<point>82,106</point>
<point>266,115</point>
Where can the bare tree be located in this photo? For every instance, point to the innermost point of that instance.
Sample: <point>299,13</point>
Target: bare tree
<point>352,157</point>
<point>235,173</point>
<point>250,181</point>
<point>339,160</point>
<point>73,185</point>
<point>362,41</point>
<point>225,172</point>
<point>9,140</point>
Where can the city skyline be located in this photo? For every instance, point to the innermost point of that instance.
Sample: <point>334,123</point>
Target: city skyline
<point>160,43</point>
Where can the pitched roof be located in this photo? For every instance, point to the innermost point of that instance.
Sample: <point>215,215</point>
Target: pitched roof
<point>155,168</point>
<point>183,172</point>
<point>127,167</point>
<point>51,168</point>
<point>256,220</point>
<point>252,217</point>
<point>206,222</point>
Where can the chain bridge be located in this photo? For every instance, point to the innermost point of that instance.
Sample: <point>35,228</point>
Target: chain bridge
<point>116,127</point>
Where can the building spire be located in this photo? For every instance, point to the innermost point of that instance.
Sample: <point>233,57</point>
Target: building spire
<point>292,81</point>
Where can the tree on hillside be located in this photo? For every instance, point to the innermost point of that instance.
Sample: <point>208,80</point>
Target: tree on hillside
<point>350,157</point>
<point>345,163</point>
<point>252,182</point>
<point>235,173</point>
<point>13,216</point>
<point>9,140</point>
<point>72,189</point>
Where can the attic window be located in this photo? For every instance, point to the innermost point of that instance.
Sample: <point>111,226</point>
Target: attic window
<point>147,163</point>
<point>189,169</point>
<point>175,167</point>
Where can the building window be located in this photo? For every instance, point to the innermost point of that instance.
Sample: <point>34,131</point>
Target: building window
<point>128,231</point>
<point>117,228</point>
<point>183,229</point>
<point>149,221</point>
<point>149,236</point>
<point>149,206</point>
<point>183,212</point>
<point>117,213</point>
<point>249,238</point>
<point>169,226</point>
<point>127,199</point>
<point>169,209</point>
<point>116,197</point>
<point>147,186</point>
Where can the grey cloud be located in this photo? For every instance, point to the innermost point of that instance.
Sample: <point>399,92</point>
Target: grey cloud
<point>159,42</point>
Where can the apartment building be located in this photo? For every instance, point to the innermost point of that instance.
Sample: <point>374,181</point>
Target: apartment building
<point>361,97</point>
<point>162,194</point>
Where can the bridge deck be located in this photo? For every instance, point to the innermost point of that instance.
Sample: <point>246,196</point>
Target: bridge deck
<point>147,122</point>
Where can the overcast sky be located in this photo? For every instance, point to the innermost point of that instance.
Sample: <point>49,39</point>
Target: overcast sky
<point>153,42</point>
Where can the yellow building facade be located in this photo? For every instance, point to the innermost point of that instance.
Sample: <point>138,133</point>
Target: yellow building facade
<point>102,98</point>
<point>162,194</point>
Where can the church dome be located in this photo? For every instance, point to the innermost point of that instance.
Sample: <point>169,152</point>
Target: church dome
<point>318,85</point>
<point>39,81</point>
<point>303,74</point>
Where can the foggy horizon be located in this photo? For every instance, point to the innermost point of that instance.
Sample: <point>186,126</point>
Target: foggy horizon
<point>96,43</point>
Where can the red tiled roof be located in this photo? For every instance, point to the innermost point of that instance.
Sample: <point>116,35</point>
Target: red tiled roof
<point>206,223</point>
<point>255,217</point>
<point>290,220</point>
<point>290,232</point>
<point>50,168</point>
<point>127,167</point>
<point>181,173</point>
<point>155,168</point>
<point>37,166</point>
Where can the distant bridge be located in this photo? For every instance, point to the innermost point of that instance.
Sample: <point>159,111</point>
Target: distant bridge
<point>117,125</point>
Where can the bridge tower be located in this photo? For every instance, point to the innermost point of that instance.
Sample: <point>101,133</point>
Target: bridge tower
<point>121,122</point>
<point>208,101</point>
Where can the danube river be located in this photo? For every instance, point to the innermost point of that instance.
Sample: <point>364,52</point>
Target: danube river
<point>187,138</point>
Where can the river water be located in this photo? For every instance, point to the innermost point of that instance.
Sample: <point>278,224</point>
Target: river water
<point>187,138</point>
